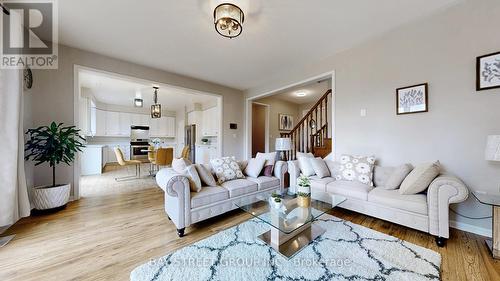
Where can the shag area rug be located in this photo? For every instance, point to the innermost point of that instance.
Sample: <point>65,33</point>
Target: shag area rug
<point>346,251</point>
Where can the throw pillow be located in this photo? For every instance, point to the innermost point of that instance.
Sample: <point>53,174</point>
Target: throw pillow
<point>420,178</point>
<point>254,167</point>
<point>333,168</point>
<point>269,165</point>
<point>397,177</point>
<point>205,175</point>
<point>194,178</point>
<point>357,168</point>
<point>180,164</point>
<point>305,166</point>
<point>243,164</point>
<point>381,174</point>
<point>320,168</point>
<point>226,169</point>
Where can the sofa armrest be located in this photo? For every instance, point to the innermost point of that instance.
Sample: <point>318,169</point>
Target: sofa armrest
<point>442,192</point>
<point>294,171</point>
<point>280,169</point>
<point>177,196</point>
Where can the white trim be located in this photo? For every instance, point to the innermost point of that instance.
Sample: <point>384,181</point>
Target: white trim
<point>471,228</point>
<point>267,125</point>
<point>76,116</point>
<point>248,108</point>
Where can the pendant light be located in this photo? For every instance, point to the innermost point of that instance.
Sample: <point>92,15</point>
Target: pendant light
<point>156,107</point>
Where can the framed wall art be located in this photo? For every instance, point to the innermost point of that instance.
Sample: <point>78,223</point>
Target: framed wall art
<point>285,122</point>
<point>488,72</point>
<point>412,99</point>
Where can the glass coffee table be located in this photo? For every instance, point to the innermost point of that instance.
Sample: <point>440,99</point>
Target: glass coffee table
<point>494,201</point>
<point>292,226</point>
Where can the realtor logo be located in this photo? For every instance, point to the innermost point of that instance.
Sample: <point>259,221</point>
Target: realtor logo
<point>29,34</point>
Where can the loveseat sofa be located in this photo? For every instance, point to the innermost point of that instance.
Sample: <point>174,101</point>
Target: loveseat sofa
<point>427,211</point>
<point>184,207</point>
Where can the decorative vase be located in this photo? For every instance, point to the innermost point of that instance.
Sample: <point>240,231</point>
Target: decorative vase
<point>303,201</point>
<point>50,197</point>
<point>304,196</point>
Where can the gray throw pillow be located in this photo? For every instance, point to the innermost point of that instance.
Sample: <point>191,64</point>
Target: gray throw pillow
<point>254,167</point>
<point>397,177</point>
<point>205,175</point>
<point>194,178</point>
<point>420,178</point>
<point>334,168</point>
<point>320,168</point>
<point>180,164</point>
<point>305,166</point>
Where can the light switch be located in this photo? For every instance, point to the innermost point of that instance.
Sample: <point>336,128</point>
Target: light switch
<point>363,112</point>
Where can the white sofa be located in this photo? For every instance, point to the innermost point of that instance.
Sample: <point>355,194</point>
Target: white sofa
<point>184,207</point>
<point>426,211</point>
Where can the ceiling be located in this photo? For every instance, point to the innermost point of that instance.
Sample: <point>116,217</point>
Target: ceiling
<point>313,92</point>
<point>179,36</point>
<point>119,91</point>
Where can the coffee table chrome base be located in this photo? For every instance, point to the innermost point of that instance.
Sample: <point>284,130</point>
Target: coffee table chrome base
<point>290,244</point>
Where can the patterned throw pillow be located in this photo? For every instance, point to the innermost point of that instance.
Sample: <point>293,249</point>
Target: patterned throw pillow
<point>226,169</point>
<point>357,168</point>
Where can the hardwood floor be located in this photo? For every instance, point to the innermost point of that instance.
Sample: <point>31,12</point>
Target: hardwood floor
<point>104,238</point>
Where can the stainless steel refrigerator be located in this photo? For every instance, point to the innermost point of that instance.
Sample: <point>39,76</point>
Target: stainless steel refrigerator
<point>190,141</point>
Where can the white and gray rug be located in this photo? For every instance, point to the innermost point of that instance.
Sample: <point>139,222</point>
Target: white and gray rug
<point>346,251</point>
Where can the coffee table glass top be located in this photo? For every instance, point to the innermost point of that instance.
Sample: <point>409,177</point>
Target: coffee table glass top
<point>487,198</point>
<point>290,216</point>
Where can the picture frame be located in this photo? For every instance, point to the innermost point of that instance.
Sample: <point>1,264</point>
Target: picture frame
<point>488,72</point>
<point>285,122</point>
<point>412,99</point>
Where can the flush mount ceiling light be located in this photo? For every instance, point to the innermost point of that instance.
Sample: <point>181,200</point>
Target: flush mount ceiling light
<point>228,19</point>
<point>301,94</point>
<point>138,102</point>
<point>155,108</point>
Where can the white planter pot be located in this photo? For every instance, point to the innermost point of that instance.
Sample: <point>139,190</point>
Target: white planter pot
<point>48,197</point>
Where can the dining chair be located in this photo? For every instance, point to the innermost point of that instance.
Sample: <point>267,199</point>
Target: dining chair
<point>185,152</point>
<point>164,157</point>
<point>152,159</point>
<point>125,163</point>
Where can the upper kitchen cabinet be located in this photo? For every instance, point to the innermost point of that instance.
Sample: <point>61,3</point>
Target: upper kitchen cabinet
<point>112,123</point>
<point>162,127</point>
<point>125,123</point>
<point>210,124</point>
<point>100,119</point>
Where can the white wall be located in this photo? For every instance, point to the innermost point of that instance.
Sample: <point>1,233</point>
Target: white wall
<point>441,50</point>
<point>52,98</point>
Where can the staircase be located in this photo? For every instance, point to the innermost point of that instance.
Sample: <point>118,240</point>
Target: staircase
<point>311,132</point>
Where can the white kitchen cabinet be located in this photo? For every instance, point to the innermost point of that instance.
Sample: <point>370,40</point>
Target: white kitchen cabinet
<point>125,123</point>
<point>91,160</point>
<point>162,127</point>
<point>112,123</point>
<point>145,119</point>
<point>135,119</point>
<point>210,124</point>
<point>100,128</point>
<point>205,153</point>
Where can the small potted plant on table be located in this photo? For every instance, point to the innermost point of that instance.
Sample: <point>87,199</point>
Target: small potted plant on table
<point>53,144</point>
<point>303,191</point>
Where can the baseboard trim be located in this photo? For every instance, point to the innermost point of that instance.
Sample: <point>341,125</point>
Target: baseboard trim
<point>471,228</point>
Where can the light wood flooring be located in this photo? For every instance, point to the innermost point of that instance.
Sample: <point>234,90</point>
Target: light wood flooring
<point>105,237</point>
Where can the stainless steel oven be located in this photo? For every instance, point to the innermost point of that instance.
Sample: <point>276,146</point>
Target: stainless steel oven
<point>138,150</point>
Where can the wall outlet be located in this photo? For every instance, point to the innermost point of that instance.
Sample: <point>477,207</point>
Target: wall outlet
<point>362,112</point>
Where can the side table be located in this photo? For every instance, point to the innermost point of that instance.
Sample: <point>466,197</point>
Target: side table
<point>494,201</point>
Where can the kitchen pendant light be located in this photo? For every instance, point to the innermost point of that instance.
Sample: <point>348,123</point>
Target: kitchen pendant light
<point>155,108</point>
<point>228,19</point>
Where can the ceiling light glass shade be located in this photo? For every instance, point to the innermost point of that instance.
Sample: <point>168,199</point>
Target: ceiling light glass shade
<point>138,102</point>
<point>228,20</point>
<point>156,111</point>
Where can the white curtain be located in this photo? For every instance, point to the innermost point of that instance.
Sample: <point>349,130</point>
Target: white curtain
<point>14,202</point>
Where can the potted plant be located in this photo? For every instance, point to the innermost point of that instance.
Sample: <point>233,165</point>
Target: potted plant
<point>53,144</point>
<point>303,191</point>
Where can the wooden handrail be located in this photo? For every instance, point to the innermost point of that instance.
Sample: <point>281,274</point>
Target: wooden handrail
<point>325,96</point>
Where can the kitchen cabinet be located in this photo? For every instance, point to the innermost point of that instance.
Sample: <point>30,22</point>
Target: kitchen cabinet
<point>205,153</point>
<point>125,123</point>
<point>91,160</point>
<point>210,124</point>
<point>135,119</point>
<point>112,123</point>
<point>162,127</point>
<point>100,127</point>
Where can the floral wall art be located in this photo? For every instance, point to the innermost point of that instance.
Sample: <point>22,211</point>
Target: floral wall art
<point>412,99</point>
<point>488,72</point>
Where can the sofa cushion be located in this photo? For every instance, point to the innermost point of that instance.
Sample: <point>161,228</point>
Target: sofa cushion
<point>334,168</point>
<point>264,182</point>
<point>320,184</point>
<point>305,166</point>
<point>269,165</point>
<point>208,195</point>
<point>420,178</point>
<point>352,189</point>
<point>254,167</point>
<point>397,176</point>
<point>194,178</point>
<point>381,174</point>
<point>320,168</point>
<point>239,187</point>
<point>205,175</point>
<point>416,203</point>
<point>226,169</point>
<point>180,164</point>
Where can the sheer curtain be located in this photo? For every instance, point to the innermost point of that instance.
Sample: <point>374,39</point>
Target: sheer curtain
<point>14,202</point>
